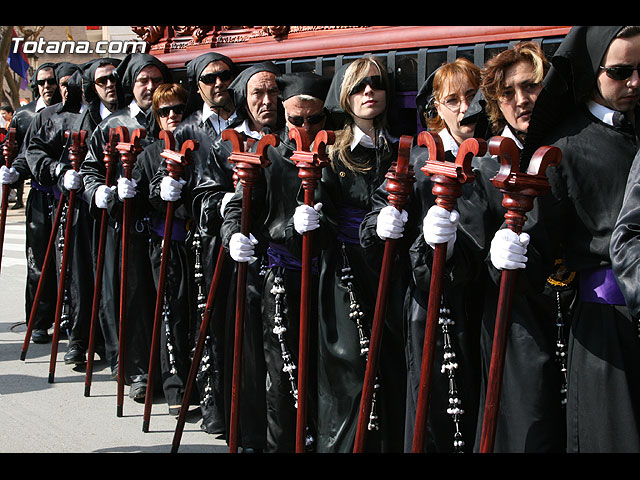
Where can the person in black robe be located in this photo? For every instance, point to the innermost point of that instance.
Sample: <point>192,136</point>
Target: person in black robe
<point>588,93</point>
<point>139,74</point>
<point>40,204</point>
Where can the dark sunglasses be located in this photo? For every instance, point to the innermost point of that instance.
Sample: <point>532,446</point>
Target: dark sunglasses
<point>164,112</point>
<point>374,82</point>
<point>312,120</point>
<point>620,73</point>
<point>210,78</point>
<point>102,81</point>
<point>50,81</point>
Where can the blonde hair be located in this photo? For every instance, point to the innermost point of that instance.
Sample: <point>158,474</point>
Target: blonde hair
<point>354,74</point>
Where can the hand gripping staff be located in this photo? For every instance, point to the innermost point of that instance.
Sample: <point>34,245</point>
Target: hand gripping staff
<point>77,151</point>
<point>176,161</point>
<point>110,161</point>
<point>129,151</point>
<point>447,178</point>
<point>310,164</point>
<point>248,165</point>
<point>400,179</point>
<point>9,152</point>
<point>519,191</point>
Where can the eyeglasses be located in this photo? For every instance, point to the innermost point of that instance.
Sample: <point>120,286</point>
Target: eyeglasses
<point>211,78</point>
<point>48,81</point>
<point>102,81</point>
<point>311,120</point>
<point>620,73</point>
<point>164,112</point>
<point>453,103</point>
<point>374,82</point>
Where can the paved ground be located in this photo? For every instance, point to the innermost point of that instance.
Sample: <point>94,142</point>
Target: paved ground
<point>41,417</point>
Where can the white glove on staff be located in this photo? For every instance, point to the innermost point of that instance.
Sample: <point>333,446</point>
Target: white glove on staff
<point>126,188</point>
<point>440,226</point>
<point>171,189</point>
<point>390,223</point>
<point>307,218</point>
<point>102,195</point>
<point>8,175</point>
<point>241,248</point>
<point>72,180</point>
<point>509,250</point>
<point>223,203</point>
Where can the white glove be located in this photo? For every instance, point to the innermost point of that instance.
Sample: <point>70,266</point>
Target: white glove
<point>102,195</point>
<point>509,250</point>
<point>307,218</point>
<point>171,189</point>
<point>241,248</point>
<point>390,223</point>
<point>72,180</point>
<point>440,226</point>
<point>224,201</point>
<point>8,175</point>
<point>126,188</point>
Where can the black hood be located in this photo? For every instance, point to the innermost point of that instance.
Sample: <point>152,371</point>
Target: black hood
<point>34,86</point>
<point>131,66</point>
<point>194,70</point>
<point>239,88</point>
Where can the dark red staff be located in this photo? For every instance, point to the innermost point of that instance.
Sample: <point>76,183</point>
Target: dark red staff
<point>129,151</point>
<point>176,161</point>
<point>310,164</point>
<point>9,152</point>
<point>400,179</point>
<point>447,178</point>
<point>77,151</point>
<point>519,191</point>
<point>248,165</point>
<point>110,159</point>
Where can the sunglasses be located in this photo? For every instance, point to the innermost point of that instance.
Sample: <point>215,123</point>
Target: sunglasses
<point>620,73</point>
<point>164,112</point>
<point>375,82</point>
<point>312,120</point>
<point>211,78</point>
<point>102,81</point>
<point>49,81</point>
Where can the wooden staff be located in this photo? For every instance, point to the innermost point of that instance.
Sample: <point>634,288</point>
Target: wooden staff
<point>519,190</point>
<point>248,166</point>
<point>447,178</point>
<point>176,161</point>
<point>400,179</point>
<point>9,152</point>
<point>110,159</point>
<point>129,151</point>
<point>77,151</point>
<point>310,164</point>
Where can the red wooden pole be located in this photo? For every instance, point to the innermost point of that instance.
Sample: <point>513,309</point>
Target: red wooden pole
<point>248,165</point>
<point>77,152</point>
<point>400,179</point>
<point>447,178</point>
<point>519,190</point>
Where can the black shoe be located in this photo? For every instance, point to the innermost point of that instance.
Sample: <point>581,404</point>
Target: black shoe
<point>75,356</point>
<point>40,335</point>
<point>114,372</point>
<point>17,206</point>
<point>138,391</point>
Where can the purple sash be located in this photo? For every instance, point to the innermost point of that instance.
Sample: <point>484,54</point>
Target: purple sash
<point>56,193</point>
<point>600,286</point>
<point>280,256</point>
<point>349,221</point>
<point>178,232</point>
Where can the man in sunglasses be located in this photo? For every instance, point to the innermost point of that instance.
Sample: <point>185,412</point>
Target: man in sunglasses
<point>588,108</point>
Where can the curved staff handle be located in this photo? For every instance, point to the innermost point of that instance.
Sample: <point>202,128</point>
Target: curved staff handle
<point>129,151</point>
<point>310,164</point>
<point>400,179</point>
<point>77,151</point>
<point>176,162</point>
<point>447,178</point>
<point>519,190</point>
<point>9,152</point>
<point>110,160</point>
<point>248,165</point>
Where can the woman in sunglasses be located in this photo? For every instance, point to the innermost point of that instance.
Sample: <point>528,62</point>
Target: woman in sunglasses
<point>363,151</point>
